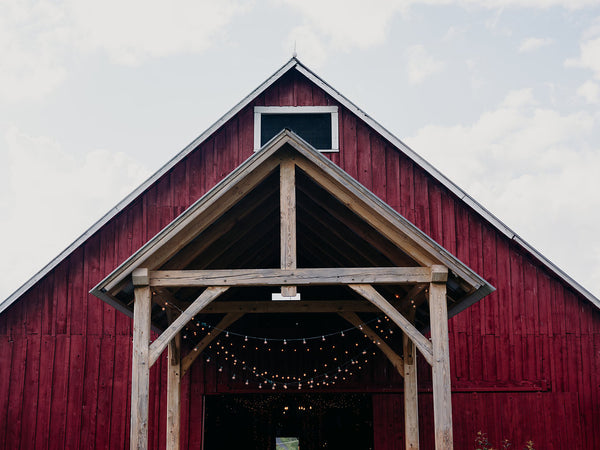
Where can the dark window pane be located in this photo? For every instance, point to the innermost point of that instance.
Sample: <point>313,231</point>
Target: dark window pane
<point>314,128</point>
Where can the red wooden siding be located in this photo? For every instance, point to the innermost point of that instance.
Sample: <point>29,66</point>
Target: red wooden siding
<point>524,360</point>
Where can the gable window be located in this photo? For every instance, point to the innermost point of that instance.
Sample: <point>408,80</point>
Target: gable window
<point>317,125</point>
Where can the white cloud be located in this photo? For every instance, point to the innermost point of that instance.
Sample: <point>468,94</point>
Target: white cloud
<point>533,168</point>
<point>38,39</point>
<point>531,44</point>
<point>590,91</point>
<point>589,56</point>
<point>50,197</point>
<point>135,30</point>
<point>350,23</point>
<point>420,64</point>
<point>31,37</point>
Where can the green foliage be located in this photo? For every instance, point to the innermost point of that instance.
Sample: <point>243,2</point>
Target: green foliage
<point>483,443</point>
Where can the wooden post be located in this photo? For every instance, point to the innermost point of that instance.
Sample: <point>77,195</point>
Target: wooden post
<point>411,401</point>
<point>140,373</point>
<point>173,393</point>
<point>442,403</point>
<point>287,205</point>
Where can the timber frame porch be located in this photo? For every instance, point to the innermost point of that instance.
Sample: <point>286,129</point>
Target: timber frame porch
<point>338,245</point>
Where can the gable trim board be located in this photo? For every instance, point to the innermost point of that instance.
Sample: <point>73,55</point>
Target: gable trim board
<point>294,63</point>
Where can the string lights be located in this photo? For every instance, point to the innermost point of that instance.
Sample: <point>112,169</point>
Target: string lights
<point>334,364</point>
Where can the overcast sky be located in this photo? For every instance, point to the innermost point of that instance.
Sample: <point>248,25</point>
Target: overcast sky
<point>502,96</point>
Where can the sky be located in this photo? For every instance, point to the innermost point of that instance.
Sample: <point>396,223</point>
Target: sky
<point>502,96</point>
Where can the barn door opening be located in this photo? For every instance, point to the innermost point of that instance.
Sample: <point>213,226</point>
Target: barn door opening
<point>292,421</point>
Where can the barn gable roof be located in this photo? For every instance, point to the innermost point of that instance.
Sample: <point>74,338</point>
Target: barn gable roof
<point>243,196</point>
<point>295,64</point>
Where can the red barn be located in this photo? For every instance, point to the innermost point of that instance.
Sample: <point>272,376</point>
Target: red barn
<point>300,280</point>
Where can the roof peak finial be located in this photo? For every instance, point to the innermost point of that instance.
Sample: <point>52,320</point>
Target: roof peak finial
<point>294,54</point>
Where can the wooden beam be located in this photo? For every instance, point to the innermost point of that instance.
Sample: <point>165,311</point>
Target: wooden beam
<point>298,277</point>
<point>369,292</point>
<point>198,349</point>
<point>207,296</point>
<point>411,401</point>
<point>287,213</point>
<point>442,401</point>
<point>315,306</point>
<point>174,393</point>
<point>391,355</point>
<point>140,371</point>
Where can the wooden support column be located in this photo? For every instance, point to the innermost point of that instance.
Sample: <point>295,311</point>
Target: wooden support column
<point>442,403</point>
<point>174,393</point>
<point>140,373</point>
<point>287,205</point>
<point>411,400</point>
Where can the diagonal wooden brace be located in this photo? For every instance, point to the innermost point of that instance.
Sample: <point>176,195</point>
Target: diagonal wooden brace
<point>422,343</point>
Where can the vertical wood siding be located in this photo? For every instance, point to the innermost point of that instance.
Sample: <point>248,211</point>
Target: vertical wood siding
<point>524,360</point>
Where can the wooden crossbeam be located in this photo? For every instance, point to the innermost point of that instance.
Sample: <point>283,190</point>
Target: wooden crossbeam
<point>391,355</point>
<point>298,277</point>
<point>369,292</point>
<point>316,306</point>
<point>207,296</point>
<point>198,349</point>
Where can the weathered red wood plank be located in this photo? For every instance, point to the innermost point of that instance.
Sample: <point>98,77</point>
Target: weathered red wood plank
<point>93,275</point>
<point>75,390</point>
<point>392,167</point>
<point>43,411</point>
<point>60,389</point>
<point>90,391</point>
<point>421,201</point>
<point>30,391</point>
<point>120,392</point>
<point>60,301</point>
<point>15,396</point>
<point>286,90</point>
<point>378,168</point>
<point>348,143</point>
<point>6,346</point>
<point>77,292</point>
<point>105,385</point>
<point>363,148</point>
<point>304,94</point>
<point>107,265</point>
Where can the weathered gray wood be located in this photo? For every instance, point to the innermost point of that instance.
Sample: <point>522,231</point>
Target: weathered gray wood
<point>287,212</point>
<point>298,277</point>
<point>174,393</point>
<point>207,296</point>
<point>198,349</point>
<point>411,401</point>
<point>140,371</point>
<point>140,277</point>
<point>316,306</point>
<point>369,292</point>
<point>442,403</point>
<point>391,355</point>
<point>439,274</point>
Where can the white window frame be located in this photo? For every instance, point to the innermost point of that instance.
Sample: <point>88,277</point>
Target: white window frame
<point>332,110</point>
